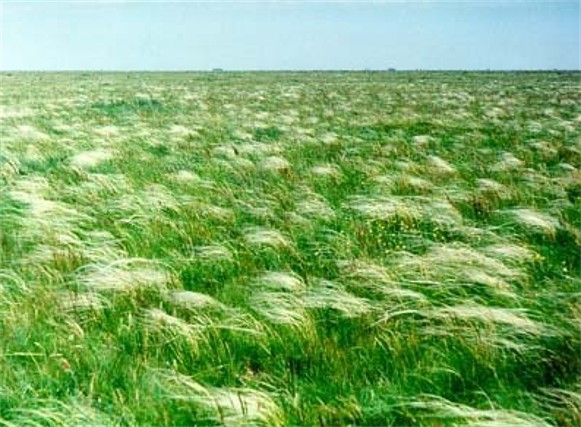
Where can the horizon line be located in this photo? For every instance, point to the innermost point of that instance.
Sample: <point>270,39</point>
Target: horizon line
<point>218,70</point>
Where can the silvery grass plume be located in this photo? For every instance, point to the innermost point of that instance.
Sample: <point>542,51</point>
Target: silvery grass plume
<point>568,167</point>
<point>510,253</point>
<point>494,188</point>
<point>409,208</point>
<point>213,252</point>
<point>242,165</point>
<point>188,177</point>
<point>368,275</point>
<point>365,270</point>
<point>124,275</point>
<point>484,343</point>
<point>14,112</point>
<point>325,294</point>
<point>441,212</point>
<point>546,150</point>
<point>315,206</point>
<point>483,235</point>
<point>90,246</point>
<point>193,300</point>
<point>41,211</point>
<point>412,183</point>
<point>33,187</point>
<point>387,183</point>
<point>481,328</point>
<point>278,298</point>
<point>108,131</point>
<point>326,170</point>
<point>242,134</point>
<point>81,302</point>
<point>280,281</point>
<point>298,221</point>
<point>430,408</point>
<point>275,164</point>
<point>495,113</point>
<point>100,245</point>
<point>438,166</point>
<point>457,263</point>
<point>44,218</point>
<point>157,197</point>
<point>488,184</point>
<point>240,321</point>
<point>534,126</point>
<point>259,207</point>
<point>33,154</point>
<point>149,202</point>
<point>91,158</point>
<point>534,221</point>
<point>235,407</point>
<point>259,236</point>
<point>169,327</point>
<point>258,149</point>
<point>330,138</point>
<point>60,247</point>
<point>213,212</point>
<point>29,133</point>
<point>72,130</point>
<point>383,208</point>
<point>508,162</point>
<point>369,168</point>
<point>179,131</point>
<point>422,140</point>
<point>239,165</point>
<point>57,413</point>
<point>99,186</point>
<point>513,318</point>
<point>185,176</point>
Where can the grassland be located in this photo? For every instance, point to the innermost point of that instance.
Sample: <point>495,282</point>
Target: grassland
<point>329,249</point>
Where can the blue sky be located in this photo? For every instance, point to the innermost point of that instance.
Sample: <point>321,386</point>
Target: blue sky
<point>247,35</point>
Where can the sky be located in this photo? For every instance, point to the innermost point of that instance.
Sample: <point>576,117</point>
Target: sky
<point>289,35</point>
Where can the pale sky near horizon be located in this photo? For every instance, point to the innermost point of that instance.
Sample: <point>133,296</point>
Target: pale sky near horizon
<point>270,35</point>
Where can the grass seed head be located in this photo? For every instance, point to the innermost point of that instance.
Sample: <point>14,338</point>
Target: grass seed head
<point>124,275</point>
<point>507,163</point>
<point>242,407</point>
<point>282,308</point>
<point>193,300</point>
<point>257,236</point>
<point>92,158</point>
<point>440,166</point>
<point>326,171</point>
<point>213,252</point>
<point>275,164</point>
<point>326,294</point>
<point>281,281</point>
<point>535,220</point>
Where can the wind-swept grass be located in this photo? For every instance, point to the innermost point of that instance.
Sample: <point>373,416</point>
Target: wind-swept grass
<point>290,249</point>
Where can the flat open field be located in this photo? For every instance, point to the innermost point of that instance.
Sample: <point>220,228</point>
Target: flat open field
<point>305,249</point>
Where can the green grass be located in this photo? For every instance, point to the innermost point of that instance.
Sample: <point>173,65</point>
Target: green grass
<point>366,249</point>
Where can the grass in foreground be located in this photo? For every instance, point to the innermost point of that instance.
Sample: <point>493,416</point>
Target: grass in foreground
<point>290,249</point>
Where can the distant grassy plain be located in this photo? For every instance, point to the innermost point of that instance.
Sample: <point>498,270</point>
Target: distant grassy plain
<point>329,249</point>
